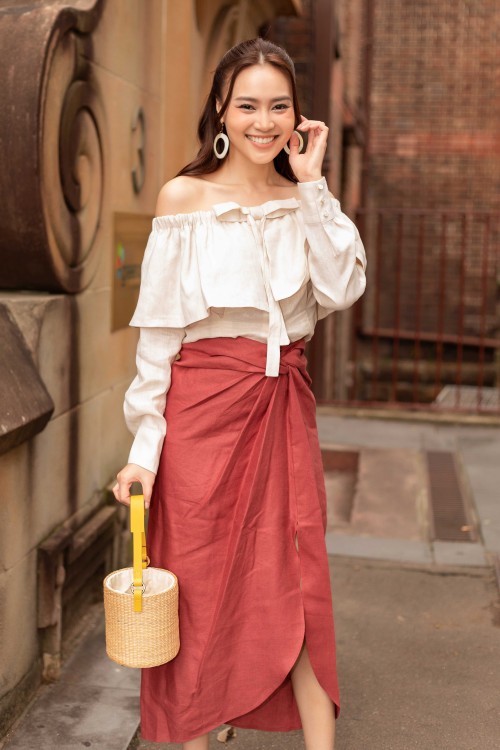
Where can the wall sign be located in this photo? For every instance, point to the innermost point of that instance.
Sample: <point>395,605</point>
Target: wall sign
<point>130,236</point>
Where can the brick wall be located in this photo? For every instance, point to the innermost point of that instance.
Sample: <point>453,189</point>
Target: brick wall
<point>435,104</point>
<point>434,143</point>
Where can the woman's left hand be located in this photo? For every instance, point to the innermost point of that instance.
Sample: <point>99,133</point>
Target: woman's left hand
<point>307,165</point>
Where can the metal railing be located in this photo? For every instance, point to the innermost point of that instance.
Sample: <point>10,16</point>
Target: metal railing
<point>426,333</point>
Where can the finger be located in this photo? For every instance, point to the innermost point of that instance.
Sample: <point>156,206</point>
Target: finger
<point>123,493</point>
<point>147,479</point>
<point>127,476</point>
<point>313,125</point>
<point>305,121</point>
<point>147,490</point>
<point>316,138</point>
<point>294,143</point>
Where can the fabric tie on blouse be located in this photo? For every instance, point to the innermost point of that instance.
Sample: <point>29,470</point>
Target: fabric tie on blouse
<point>256,217</point>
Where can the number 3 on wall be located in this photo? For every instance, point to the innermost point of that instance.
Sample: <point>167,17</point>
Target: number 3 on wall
<point>138,170</point>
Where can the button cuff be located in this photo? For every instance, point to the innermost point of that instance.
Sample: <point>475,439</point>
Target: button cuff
<point>318,204</point>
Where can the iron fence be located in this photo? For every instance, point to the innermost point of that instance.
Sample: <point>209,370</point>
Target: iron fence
<point>425,334</point>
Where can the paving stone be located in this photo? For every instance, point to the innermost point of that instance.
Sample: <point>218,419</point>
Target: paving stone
<point>388,492</point>
<point>459,553</point>
<point>418,654</point>
<point>399,550</point>
<point>91,665</point>
<point>95,704</point>
<point>482,467</point>
<point>375,433</point>
<point>70,716</point>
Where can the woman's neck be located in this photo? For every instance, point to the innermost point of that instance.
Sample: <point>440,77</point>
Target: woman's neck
<point>247,175</point>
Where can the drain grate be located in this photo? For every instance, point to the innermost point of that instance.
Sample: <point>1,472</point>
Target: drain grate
<point>449,513</point>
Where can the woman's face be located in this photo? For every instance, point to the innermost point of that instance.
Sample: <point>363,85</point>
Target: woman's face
<point>260,117</point>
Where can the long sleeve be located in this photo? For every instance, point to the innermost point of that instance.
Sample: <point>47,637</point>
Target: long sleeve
<point>145,399</point>
<point>334,244</point>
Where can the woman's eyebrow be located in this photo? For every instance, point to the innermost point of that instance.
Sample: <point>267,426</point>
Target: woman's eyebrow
<point>252,99</point>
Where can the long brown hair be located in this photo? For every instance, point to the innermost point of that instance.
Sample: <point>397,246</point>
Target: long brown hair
<point>251,52</point>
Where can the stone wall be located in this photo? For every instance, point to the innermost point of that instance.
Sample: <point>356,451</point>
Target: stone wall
<point>101,101</point>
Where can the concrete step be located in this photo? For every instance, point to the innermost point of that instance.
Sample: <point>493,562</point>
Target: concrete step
<point>379,506</point>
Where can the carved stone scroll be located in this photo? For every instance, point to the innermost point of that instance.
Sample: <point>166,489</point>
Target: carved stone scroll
<point>52,174</point>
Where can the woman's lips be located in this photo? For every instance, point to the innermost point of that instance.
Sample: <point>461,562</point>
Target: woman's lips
<point>262,145</point>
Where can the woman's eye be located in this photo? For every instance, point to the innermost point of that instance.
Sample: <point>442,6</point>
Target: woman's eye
<point>277,106</point>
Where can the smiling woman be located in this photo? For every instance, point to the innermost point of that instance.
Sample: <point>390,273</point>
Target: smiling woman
<point>253,97</point>
<point>248,250</point>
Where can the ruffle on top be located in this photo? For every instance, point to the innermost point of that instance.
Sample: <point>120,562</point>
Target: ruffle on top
<point>230,256</point>
<point>213,258</point>
<point>234,256</point>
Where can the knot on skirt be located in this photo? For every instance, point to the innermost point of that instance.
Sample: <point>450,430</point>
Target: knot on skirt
<point>241,353</point>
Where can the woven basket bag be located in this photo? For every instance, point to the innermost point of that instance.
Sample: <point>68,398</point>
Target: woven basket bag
<point>141,605</point>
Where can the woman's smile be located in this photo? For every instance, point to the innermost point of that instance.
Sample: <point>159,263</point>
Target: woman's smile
<point>261,141</point>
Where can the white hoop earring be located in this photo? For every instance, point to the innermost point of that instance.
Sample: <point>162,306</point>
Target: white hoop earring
<point>301,143</point>
<point>225,140</point>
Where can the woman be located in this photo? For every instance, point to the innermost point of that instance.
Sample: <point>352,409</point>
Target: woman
<point>248,250</point>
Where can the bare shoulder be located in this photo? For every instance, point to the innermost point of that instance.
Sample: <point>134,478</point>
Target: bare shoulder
<point>179,195</point>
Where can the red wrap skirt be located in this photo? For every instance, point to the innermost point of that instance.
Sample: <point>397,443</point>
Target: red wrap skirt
<point>238,513</point>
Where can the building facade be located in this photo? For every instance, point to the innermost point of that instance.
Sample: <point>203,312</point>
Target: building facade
<point>101,100</point>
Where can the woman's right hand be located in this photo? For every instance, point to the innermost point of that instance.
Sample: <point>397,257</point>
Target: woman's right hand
<point>133,473</point>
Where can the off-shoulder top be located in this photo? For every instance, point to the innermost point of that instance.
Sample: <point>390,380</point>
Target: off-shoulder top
<point>267,272</point>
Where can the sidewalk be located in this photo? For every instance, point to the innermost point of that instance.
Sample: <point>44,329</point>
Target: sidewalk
<point>417,626</point>
<point>397,472</point>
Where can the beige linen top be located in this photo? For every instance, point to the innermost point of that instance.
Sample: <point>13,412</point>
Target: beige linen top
<point>267,272</point>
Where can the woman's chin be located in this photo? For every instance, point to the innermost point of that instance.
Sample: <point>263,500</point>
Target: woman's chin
<point>262,155</point>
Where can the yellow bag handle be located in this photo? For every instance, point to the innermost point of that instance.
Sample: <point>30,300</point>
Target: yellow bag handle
<point>140,557</point>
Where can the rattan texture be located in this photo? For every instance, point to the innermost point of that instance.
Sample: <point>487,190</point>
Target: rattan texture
<point>142,639</point>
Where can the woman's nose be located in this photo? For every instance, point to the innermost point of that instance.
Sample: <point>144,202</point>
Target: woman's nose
<point>264,121</point>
